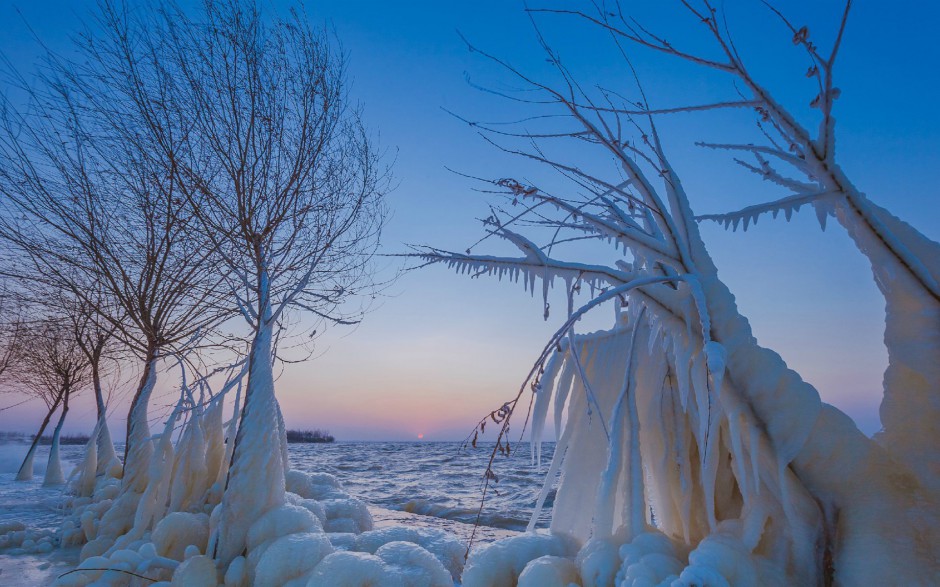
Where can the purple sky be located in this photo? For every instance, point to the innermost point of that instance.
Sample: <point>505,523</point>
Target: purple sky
<point>442,350</point>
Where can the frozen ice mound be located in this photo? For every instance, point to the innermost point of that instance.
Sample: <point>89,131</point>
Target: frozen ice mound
<point>394,564</point>
<point>500,563</point>
<point>443,545</point>
<point>179,530</point>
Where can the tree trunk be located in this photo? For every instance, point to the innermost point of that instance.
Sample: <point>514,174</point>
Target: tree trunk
<point>105,446</point>
<point>25,472</point>
<point>861,491</point>
<point>910,408</point>
<point>139,447</point>
<point>54,474</point>
<point>256,477</point>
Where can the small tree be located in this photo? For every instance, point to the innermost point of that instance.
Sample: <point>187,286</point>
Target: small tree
<point>53,367</point>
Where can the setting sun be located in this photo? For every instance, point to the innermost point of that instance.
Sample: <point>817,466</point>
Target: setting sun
<point>421,436</point>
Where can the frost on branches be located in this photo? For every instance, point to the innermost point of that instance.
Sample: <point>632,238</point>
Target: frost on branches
<point>690,455</point>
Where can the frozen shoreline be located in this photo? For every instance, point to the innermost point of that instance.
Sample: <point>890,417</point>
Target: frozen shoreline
<point>39,570</point>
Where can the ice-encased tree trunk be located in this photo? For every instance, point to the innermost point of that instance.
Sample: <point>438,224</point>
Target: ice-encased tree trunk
<point>139,448</point>
<point>256,475</point>
<point>25,472</point>
<point>54,475</point>
<point>105,455</point>
<point>910,409</point>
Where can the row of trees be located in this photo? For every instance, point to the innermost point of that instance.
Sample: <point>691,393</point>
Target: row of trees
<point>186,188</point>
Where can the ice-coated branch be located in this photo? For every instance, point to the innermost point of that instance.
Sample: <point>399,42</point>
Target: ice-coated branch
<point>750,214</point>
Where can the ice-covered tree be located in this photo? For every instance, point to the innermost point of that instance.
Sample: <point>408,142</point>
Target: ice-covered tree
<point>288,186</point>
<point>722,466</point>
<point>51,366</point>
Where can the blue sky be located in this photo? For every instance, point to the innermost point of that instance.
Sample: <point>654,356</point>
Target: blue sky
<point>442,350</point>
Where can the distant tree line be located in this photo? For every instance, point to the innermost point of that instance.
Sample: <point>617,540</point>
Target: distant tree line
<point>298,436</point>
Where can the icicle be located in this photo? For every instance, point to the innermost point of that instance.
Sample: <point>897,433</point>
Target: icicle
<point>821,215</point>
<point>540,409</point>
<point>564,388</point>
<point>557,458</point>
<point>738,461</point>
<point>619,427</point>
<point>754,448</point>
<point>683,360</point>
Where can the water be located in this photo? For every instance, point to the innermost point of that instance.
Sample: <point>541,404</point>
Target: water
<point>436,479</point>
<point>433,479</point>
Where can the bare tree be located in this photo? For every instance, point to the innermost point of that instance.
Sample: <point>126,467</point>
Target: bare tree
<point>701,425</point>
<point>287,185</point>
<point>53,367</point>
<point>90,197</point>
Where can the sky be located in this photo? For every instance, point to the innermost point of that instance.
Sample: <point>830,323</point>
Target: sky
<point>441,350</point>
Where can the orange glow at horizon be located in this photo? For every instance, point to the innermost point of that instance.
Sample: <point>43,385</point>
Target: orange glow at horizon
<point>420,435</point>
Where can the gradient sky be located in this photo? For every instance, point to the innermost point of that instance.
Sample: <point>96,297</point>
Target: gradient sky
<point>443,350</point>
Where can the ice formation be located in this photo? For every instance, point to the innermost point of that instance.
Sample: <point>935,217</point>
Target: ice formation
<point>691,455</point>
